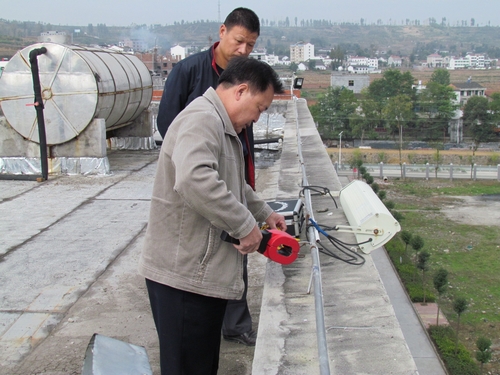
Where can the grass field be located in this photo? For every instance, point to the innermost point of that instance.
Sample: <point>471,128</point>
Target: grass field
<point>470,253</point>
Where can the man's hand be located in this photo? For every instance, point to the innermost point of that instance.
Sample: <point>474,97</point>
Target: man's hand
<point>276,221</point>
<point>251,242</point>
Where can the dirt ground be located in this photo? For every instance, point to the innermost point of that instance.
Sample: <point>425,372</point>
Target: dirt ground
<point>371,155</point>
<point>471,211</point>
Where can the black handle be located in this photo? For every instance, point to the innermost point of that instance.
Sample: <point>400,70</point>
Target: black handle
<point>266,236</point>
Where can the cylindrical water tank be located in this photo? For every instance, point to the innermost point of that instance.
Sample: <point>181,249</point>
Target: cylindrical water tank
<point>78,85</point>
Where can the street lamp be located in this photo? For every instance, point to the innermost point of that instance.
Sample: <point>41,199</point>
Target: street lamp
<point>340,149</point>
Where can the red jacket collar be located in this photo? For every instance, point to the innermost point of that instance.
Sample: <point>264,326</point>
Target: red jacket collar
<point>214,64</point>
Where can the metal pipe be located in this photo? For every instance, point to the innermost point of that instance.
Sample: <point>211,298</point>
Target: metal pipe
<point>39,109</point>
<point>38,104</point>
<point>324,361</point>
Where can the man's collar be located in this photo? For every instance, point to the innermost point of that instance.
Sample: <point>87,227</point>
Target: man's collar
<point>214,64</point>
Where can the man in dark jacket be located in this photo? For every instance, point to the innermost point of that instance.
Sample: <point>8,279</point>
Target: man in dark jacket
<point>189,79</point>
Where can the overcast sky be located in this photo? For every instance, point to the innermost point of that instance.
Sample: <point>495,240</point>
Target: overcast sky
<point>127,12</point>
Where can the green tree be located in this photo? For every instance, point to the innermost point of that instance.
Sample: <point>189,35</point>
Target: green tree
<point>459,306</point>
<point>406,237</point>
<point>423,265</point>
<point>398,112</point>
<point>311,64</point>
<point>478,119</point>
<point>437,104</point>
<point>441,76</point>
<point>392,83</point>
<point>417,243</point>
<point>438,159</point>
<point>337,54</point>
<point>293,67</point>
<point>494,106</point>
<point>440,281</point>
<point>334,112</point>
<point>483,354</point>
<point>370,118</point>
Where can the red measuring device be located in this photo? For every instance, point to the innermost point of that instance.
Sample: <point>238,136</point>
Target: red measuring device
<point>277,245</point>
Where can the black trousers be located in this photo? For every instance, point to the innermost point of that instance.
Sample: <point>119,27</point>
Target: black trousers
<point>237,319</point>
<point>188,327</point>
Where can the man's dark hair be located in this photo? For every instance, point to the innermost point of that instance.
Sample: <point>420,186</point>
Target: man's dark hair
<point>243,17</point>
<point>257,74</point>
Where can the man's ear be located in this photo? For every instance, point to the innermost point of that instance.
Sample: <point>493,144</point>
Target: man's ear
<point>222,31</point>
<point>240,90</point>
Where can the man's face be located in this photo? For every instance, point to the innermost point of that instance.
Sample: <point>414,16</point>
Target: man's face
<point>237,41</point>
<point>250,106</point>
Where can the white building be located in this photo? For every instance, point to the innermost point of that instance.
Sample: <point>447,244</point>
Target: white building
<point>301,52</point>
<point>464,91</point>
<point>470,61</point>
<point>302,67</point>
<point>178,52</point>
<point>394,61</point>
<point>435,60</point>
<point>362,61</point>
<point>353,82</point>
<point>458,63</point>
<point>357,60</point>
<point>475,61</point>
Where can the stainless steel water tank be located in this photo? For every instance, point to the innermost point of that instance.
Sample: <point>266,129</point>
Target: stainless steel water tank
<point>78,85</point>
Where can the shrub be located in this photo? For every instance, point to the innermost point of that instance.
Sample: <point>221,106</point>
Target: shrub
<point>390,205</point>
<point>493,159</point>
<point>369,179</point>
<point>397,215</point>
<point>382,194</point>
<point>416,292</point>
<point>457,363</point>
<point>375,187</point>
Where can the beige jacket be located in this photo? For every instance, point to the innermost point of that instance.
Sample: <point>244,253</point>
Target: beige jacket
<point>200,190</point>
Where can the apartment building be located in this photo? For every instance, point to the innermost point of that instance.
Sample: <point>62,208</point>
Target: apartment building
<point>470,61</point>
<point>300,52</point>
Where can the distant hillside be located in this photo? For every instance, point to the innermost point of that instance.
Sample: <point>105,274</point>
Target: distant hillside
<point>355,39</point>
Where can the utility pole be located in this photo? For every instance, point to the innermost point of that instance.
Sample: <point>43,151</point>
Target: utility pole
<point>340,149</point>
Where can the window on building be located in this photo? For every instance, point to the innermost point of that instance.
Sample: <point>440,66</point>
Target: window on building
<point>351,82</point>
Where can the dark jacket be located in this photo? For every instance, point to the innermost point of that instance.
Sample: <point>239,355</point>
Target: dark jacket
<point>189,79</point>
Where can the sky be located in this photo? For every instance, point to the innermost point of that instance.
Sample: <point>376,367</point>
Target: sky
<point>128,12</point>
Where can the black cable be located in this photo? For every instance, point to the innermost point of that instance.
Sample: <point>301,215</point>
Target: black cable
<point>319,190</point>
<point>342,253</point>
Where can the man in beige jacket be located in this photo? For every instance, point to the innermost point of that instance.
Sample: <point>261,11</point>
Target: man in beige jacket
<point>199,192</point>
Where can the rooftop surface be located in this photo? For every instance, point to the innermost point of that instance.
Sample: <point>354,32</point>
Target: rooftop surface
<point>68,262</point>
